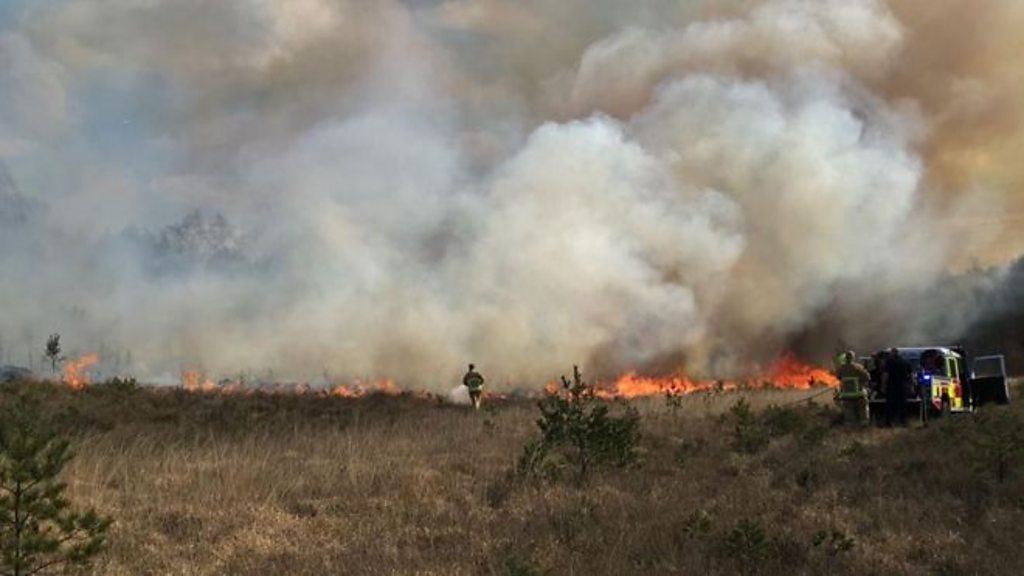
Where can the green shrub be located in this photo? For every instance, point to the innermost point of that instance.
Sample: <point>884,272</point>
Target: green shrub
<point>699,530</point>
<point>782,421</point>
<point>813,436</point>
<point>117,385</point>
<point>855,450</point>
<point>747,545</point>
<point>533,461</point>
<point>37,529</point>
<point>749,435</point>
<point>579,430</point>
<point>515,566</point>
<point>999,444</point>
<point>698,525</point>
<point>808,479</point>
<point>833,544</point>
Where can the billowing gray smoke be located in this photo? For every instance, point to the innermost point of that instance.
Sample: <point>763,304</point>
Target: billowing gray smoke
<point>294,188</point>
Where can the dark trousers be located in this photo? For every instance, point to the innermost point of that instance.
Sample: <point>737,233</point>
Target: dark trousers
<point>895,411</point>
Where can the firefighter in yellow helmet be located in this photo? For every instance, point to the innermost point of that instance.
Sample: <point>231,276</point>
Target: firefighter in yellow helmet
<point>475,383</point>
<point>838,360</point>
<point>853,389</point>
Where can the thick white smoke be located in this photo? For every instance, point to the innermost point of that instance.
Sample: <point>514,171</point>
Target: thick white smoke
<point>386,189</point>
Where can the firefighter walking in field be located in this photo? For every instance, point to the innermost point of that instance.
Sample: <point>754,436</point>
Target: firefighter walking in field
<point>853,389</point>
<point>475,383</point>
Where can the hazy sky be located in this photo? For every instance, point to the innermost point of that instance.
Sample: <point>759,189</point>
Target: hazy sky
<point>389,189</point>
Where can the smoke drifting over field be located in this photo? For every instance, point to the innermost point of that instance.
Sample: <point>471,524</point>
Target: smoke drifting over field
<point>390,189</point>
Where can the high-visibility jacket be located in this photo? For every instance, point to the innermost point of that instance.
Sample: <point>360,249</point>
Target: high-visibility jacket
<point>853,381</point>
<point>473,380</point>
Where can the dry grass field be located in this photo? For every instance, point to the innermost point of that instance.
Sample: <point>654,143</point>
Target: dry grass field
<point>287,484</point>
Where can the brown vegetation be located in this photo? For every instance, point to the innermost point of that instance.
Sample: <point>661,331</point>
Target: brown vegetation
<point>289,484</point>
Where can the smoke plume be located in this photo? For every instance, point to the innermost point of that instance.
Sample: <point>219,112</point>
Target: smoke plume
<point>311,189</point>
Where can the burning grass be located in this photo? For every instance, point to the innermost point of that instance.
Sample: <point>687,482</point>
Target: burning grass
<point>76,371</point>
<point>787,373</point>
<point>303,484</point>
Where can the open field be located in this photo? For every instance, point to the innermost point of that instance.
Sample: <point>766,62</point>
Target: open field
<point>288,484</point>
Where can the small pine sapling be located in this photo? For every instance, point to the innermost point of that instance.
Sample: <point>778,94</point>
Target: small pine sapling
<point>39,531</point>
<point>581,430</point>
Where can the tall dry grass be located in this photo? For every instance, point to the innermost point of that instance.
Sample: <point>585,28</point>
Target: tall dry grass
<point>302,485</point>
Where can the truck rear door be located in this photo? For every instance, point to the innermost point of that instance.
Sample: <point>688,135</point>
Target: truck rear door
<point>988,380</point>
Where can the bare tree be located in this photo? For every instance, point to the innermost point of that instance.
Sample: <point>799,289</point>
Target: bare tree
<point>53,351</point>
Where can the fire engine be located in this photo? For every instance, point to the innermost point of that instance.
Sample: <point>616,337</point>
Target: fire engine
<point>943,384</point>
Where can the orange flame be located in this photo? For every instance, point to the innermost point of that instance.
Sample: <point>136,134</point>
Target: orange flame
<point>76,372</point>
<point>788,373</point>
<point>357,390</point>
<point>192,381</point>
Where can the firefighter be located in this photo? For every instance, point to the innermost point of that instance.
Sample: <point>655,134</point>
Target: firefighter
<point>475,383</point>
<point>896,382</point>
<point>838,360</point>
<point>876,390</point>
<point>877,371</point>
<point>853,389</point>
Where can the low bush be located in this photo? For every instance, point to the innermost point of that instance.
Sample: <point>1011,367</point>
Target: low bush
<point>38,529</point>
<point>578,430</point>
<point>999,444</point>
